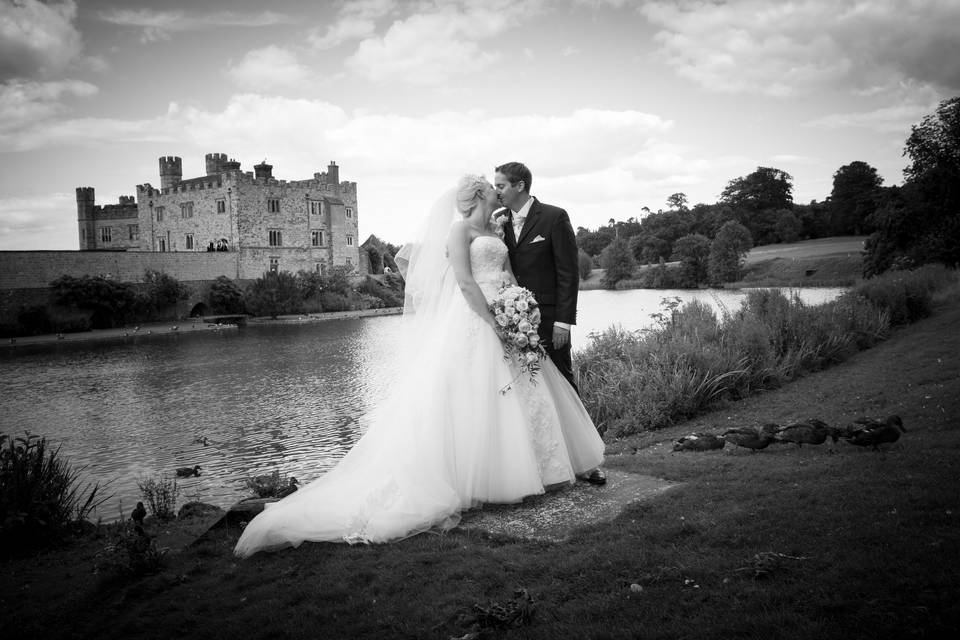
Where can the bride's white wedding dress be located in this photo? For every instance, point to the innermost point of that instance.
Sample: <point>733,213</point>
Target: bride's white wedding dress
<point>444,440</point>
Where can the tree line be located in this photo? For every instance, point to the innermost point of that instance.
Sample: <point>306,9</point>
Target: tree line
<point>909,225</point>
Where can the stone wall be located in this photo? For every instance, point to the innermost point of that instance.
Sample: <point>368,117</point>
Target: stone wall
<point>36,269</point>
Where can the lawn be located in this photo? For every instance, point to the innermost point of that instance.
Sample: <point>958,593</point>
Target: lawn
<point>831,541</point>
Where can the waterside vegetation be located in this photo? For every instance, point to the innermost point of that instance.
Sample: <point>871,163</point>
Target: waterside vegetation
<point>693,360</point>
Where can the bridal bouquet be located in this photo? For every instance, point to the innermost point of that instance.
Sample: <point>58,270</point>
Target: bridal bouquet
<point>517,317</point>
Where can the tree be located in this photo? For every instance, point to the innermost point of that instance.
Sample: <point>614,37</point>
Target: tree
<point>765,188</point>
<point>756,198</point>
<point>163,290</point>
<point>693,252</point>
<point>226,296</point>
<point>787,226</point>
<point>677,201</point>
<point>112,303</point>
<point>273,294</point>
<point>310,284</point>
<point>593,242</point>
<point>727,252</point>
<point>618,261</point>
<point>920,222</point>
<point>376,260</point>
<point>584,264</point>
<point>855,195</point>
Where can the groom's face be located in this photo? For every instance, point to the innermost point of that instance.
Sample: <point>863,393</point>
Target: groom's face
<point>509,195</point>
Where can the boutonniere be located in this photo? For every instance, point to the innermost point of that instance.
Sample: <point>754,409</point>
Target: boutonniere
<point>498,220</point>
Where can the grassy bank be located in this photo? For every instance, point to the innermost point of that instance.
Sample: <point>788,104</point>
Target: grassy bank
<point>824,542</point>
<point>638,381</point>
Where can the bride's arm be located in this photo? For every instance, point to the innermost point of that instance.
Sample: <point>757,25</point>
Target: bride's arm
<point>458,248</point>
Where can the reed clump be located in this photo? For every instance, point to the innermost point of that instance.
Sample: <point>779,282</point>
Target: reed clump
<point>41,494</point>
<point>160,493</point>
<point>691,360</point>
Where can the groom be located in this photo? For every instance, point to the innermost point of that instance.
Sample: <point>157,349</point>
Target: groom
<point>543,255</point>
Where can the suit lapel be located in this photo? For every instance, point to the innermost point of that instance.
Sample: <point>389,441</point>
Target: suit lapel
<point>529,222</point>
<point>508,236</point>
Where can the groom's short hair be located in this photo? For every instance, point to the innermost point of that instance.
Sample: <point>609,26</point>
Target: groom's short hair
<point>516,171</point>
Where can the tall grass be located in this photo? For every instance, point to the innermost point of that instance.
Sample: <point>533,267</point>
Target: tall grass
<point>41,494</point>
<point>693,359</point>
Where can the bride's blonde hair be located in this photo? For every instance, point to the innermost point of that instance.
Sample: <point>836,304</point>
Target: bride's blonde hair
<point>470,190</point>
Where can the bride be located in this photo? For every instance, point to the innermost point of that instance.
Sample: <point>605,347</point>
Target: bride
<point>445,439</point>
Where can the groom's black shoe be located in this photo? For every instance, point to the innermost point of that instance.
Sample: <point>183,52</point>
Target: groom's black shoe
<point>596,477</point>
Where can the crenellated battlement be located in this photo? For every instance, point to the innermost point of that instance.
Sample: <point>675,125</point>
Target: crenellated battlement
<point>171,170</point>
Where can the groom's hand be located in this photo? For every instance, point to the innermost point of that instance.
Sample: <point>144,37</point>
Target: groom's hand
<point>561,337</point>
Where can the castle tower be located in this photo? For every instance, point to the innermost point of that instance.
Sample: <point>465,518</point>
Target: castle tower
<point>85,221</point>
<point>263,170</point>
<point>171,171</point>
<point>215,162</point>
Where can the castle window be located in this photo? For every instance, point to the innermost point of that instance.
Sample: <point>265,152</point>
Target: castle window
<point>186,210</point>
<point>349,211</point>
<point>316,207</point>
<point>273,205</point>
<point>83,234</point>
<point>159,212</point>
<point>221,205</point>
<point>276,238</point>
<point>316,238</point>
<point>274,264</point>
<point>189,244</point>
<point>161,244</point>
<point>105,234</point>
<point>349,241</point>
<point>134,231</point>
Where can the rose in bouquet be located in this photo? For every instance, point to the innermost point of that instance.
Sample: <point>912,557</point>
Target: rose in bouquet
<point>517,318</point>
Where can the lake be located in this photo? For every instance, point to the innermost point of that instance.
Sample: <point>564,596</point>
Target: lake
<point>242,402</point>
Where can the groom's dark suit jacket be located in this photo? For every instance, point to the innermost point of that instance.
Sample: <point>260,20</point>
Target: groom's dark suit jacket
<point>544,260</point>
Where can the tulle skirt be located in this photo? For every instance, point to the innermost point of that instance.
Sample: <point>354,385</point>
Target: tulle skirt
<point>444,440</point>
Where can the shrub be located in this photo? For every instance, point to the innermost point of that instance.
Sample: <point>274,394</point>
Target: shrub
<point>906,296</point>
<point>41,494</point>
<point>273,294</point>
<point>112,303</point>
<point>160,494</point>
<point>384,295</point>
<point>618,261</point>
<point>34,320</point>
<point>130,551</point>
<point>163,290</point>
<point>226,296</point>
<point>333,301</point>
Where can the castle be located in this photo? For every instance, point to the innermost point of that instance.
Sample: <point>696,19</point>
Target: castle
<point>261,222</point>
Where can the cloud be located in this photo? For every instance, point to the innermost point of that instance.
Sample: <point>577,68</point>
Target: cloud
<point>440,41</point>
<point>356,20</point>
<point>37,38</point>
<point>26,103</point>
<point>569,51</point>
<point>161,25</point>
<point>894,120</point>
<point>39,222</point>
<point>786,48</point>
<point>269,68</point>
<point>400,162</point>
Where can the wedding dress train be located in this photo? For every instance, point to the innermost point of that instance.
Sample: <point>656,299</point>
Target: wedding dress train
<point>444,440</point>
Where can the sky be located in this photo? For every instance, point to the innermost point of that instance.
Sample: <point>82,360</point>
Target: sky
<point>614,105</point>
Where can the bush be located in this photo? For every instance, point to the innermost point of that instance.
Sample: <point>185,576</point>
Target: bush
<point>274,294</point>
<point>41,494</point>
<point>34,320</point>
<point>163,290</point>
<point>333,301</point>
<point>906,296</point>
<point>384,295</point>
<point>618,261</point>
<point>130,552</point>
<point>111,303</point>
<point>226,296</point>
<point>160,494</point>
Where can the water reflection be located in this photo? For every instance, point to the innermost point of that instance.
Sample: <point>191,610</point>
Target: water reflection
<point>238,403</point>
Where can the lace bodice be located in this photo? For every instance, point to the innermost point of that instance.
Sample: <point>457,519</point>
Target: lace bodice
<point>487,257</point>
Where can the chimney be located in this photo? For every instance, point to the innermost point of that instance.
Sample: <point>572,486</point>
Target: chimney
<point>333,174</point>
